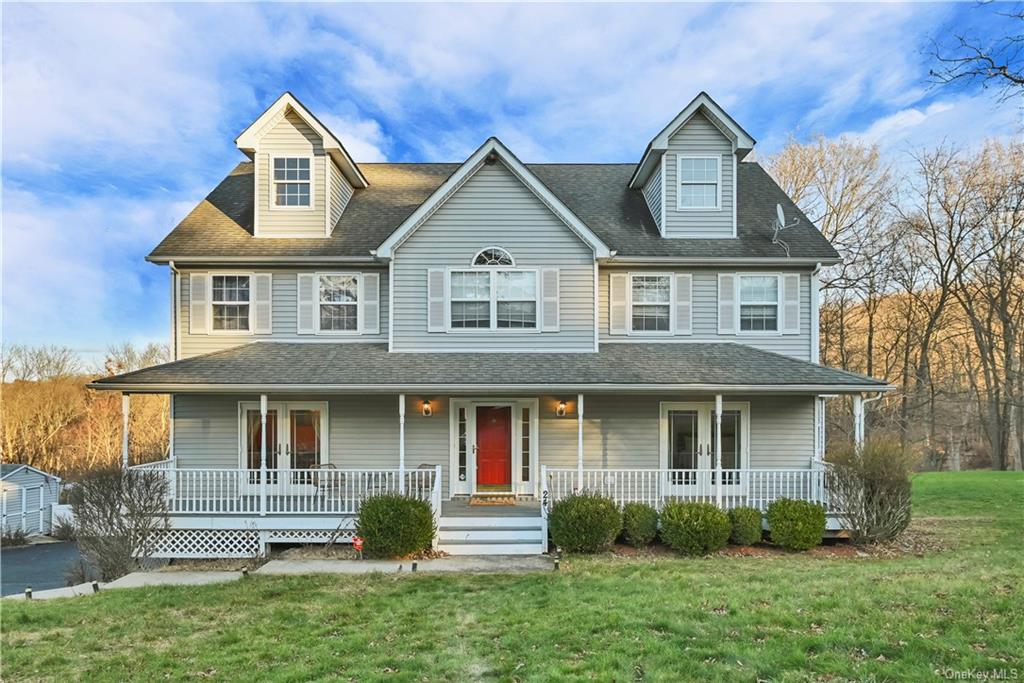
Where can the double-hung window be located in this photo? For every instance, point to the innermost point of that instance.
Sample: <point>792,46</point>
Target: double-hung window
<point>230,303</point>
<point>759,303</point>
<point>338,302</point>
<point>491,296</point>
<point>292,182</point>
<point>651,303</point>
<point>699,182</point>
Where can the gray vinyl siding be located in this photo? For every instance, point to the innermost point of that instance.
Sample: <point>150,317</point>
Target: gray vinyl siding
<point>341,192</point>
<point>652,193</point>
<point>291,136</point>
<point>705,313</point>
<point>493,208</point>
<point>619,431</point>
<point>284,314</point>
<point>699,137</point>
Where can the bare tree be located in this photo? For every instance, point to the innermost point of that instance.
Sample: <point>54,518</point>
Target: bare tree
<point>995,63</point>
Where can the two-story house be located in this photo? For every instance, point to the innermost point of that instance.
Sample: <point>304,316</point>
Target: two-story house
<point>486,330</point>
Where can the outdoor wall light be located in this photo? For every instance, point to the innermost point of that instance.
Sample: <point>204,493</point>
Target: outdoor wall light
<point>427,410</point>
<point>560,410</point>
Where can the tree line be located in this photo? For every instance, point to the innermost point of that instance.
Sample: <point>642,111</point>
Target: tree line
<point>930,294</point>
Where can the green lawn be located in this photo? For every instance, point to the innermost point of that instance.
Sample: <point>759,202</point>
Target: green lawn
<point>790,617</point>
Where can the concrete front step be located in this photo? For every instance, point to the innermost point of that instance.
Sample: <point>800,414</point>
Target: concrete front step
<point>494,547</point>
<point>489,522</point>
<point>494,534</point>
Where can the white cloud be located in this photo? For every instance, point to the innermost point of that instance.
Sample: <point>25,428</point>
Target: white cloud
<point>363,138</point>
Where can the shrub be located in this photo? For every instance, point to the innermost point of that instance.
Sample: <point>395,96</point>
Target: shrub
<point>584,523</point>
<point>64,529</point>
<point>796,524</point>
<point>871,489</point>
<point>694,528</point>
<point>13,537</point>
<point>639,524</point>
<point>746,525</point>
<point>394,525</point>
<point>120,515</point>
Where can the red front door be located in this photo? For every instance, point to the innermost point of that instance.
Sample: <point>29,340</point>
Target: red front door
<point>494,447</point>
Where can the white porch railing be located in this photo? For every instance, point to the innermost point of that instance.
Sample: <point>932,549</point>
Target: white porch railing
<point>756,488</point>
<point>290,492</point>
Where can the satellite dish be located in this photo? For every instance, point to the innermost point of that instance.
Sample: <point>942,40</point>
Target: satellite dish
<point>780,216</point>
<point>780,225</point>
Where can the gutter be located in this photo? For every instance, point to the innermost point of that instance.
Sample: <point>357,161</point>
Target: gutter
<point>283,260</point>
<point>718,261</point>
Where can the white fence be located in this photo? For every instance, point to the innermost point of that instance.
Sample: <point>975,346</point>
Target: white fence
<point>756,488</point>
<point>289,492</point>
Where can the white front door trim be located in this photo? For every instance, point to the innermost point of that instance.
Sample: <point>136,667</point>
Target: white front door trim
<point>470,404</point>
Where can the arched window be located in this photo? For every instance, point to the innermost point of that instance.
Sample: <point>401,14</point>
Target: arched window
<point>493,256</point>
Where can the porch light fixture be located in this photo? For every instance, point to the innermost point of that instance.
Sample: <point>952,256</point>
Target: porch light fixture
<point>427,410</point>
<point>560,410</point>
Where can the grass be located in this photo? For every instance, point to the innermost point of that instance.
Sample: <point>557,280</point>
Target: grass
<point>785,617</point>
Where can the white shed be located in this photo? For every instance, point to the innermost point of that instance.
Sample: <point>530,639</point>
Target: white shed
<point>27,496</point>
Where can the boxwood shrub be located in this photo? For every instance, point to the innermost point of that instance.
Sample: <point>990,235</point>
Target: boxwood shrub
<point>746,525</point>
<point>796,524</point>
<point>639,524</point>
<point>394,525</point>
<point>584,523</point>
<point>694,528</point>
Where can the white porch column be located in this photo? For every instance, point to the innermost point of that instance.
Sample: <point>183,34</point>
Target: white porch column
<point>579,442</point>
<point>718,449</point>
<point>263,455</point>
<point>125,410</point>
<point>858,422</point>
<point>401,443</point>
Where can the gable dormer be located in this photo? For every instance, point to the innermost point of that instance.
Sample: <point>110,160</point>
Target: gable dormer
<point>304,178</point>
<point>688,173</point>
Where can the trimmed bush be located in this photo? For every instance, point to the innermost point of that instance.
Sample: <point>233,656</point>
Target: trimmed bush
<point>584,523</point>
<point>639,524</point>
<point>746,525</point>
<point>393,525</point>
<point>694,528</point>
<point>796,524</point>
<point>871,489</point>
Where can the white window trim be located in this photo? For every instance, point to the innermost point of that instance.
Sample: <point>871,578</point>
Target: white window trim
<point>493,270</point>
<point>778,306</point>
<point>210,303</point>
<point>493,247</point>
<point>282,408</point>
<point>359,305</point>
<point>519,487</point>
<point>706,412</point>
<point>671,305</point>
<point>680,183</point>
<point>272,184</point>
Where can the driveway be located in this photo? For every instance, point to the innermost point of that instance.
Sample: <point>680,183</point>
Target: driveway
<point>40,566</point>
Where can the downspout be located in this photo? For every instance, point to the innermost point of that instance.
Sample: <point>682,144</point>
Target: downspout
<point>175,345</point>
<point>816,315</point>
<point>864,409</point>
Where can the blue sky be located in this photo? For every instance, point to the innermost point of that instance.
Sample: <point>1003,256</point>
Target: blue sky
<point>118,119</point>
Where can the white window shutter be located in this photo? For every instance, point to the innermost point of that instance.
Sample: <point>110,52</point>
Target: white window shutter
<point>262,303</point>
<point>726,303</point>
<point>435,300</point>
<point>370,303</point>
<point>684,303</point>
<point>617,293</point>
<point>199,303</point>
<point>791,303</point>
<point>549,299</point>
<point>307,296</point>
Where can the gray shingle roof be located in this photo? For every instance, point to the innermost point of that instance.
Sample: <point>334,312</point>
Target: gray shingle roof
<point>368,366</point>
<point>221,225</point>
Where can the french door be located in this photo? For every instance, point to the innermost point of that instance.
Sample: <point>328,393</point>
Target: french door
<point>296,440</point>
<point>688,446</point>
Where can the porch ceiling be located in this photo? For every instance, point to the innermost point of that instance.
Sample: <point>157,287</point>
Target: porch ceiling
<point>341,367</point>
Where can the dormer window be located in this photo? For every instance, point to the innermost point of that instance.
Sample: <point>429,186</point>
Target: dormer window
<point>700,180</point>
<point>292,182</point>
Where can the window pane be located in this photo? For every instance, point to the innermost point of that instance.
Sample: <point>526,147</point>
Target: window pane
<point>231,316</point>
<point>517,314</point>
<point>516,286</point>
<point>651,289</point>
<point>339,288</point>
<point>230,288</point>
<point>462,444</point>
<point>698,195</point>
<point>525,451</point>
<point>476,286</point>
<point>759,318</point>
<point>339,317</point>
<point>471,314</point>
<point>683,440</point>
<point>759,289</point>
<point>305,438</point>
<point>493,257</point>
<point>650,318</point>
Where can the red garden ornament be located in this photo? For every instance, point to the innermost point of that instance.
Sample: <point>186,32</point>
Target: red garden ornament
<point>357,543</point>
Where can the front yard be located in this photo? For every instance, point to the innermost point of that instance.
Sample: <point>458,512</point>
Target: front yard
<point>776,617</point>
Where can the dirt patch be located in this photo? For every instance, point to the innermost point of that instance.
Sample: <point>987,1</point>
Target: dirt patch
<point>342,551</point>
<point>224,565</point>
<point>923,537</point>
<point>651,551</point>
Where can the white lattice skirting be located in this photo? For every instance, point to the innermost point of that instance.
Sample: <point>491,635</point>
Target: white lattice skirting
<point>232,543</point>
